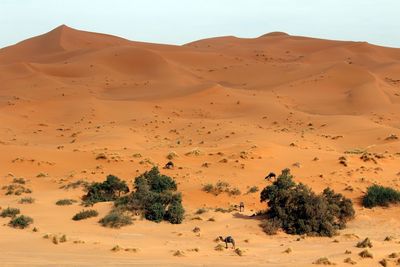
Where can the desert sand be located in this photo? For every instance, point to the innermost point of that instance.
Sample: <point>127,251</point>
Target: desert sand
<point>243,106</point>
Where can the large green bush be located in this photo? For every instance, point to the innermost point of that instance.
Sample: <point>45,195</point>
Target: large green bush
<point>298,210</point>
<point>21,222</point>
<point>380,196</point>
<point>109,190</point>
<point>155,196</point>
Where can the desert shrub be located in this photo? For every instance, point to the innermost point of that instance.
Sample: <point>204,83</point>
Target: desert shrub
<point>21,222</point>
<point>155,197</point>
<point>109,190</point>
<point>9,212</point>
<point>116,219</point>
<point>271,227</point>
<point>26,200</point>
<point>65,202</point>
<point>366,243</point>
<point>84,214</point>
<point>19,181</point>
<point>380,196</point>
<point>253,189</point>
<point>300,211</point>
<point>221,187</point>
<point>201,211</point>
<point>175,213</point>
<point>155,212</point>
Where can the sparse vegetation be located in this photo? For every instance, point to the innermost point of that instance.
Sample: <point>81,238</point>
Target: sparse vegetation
<point>365,254</point>
<point>116,219</point>
<point>9,212</point>
<point>366,243</point>
<point>300,211</point>
<point>26,200</point>
<point>85,214</point>
<point>65,202</point>
<point>253,189</point>
<point>221,187</point>
<point>323,261</point>
<point>21,221</point>
<point>380,196</point>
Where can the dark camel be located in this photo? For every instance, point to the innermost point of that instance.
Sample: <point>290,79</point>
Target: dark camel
<point>270,176</point>
<point>169,165</point>
<point>227,240</point>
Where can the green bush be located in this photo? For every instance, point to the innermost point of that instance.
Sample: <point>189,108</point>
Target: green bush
<point>271,227</point>
<point>65,202</point>
<point>380,196</point>
<point>9,212</point>
<point>109,190</point>
<point>21,222</point>
<point>84,214</point>
<point>300,211</point>
<point>175,213</point>
<point>155,197</point>
<point>116,219</point>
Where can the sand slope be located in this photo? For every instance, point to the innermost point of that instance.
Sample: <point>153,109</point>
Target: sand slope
<point>248,106</point>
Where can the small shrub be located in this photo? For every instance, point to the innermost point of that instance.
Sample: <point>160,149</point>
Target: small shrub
<point>208,188</point>
<point>239,252</point>
<point>380,196</point>
<point>21,222</point>
<point>253,189</point>
<point>365,254</point>
<point>323,261</point>
<point>65,202</point>
<point>179,253</point>
<point>200,211</point>
<point>349,261</point>
<point>9,212</point>
<point>366,243</point>
<point>19,181</point>
<point>116,219</point>
<point>85,214</point>
<point>27,200</point>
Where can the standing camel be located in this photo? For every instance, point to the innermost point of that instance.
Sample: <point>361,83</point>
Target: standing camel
<point>227,240</point>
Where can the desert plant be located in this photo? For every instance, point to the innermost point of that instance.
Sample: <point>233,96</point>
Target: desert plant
<point>26,200</point>
<point>109,190</point>
<point>9,212</point>
<point>300,211</point>
<point>21,222</point>
<point>380,196</point>
<point>65,202</point>
<point>366,243</point>
<point>85,214</point>
<point>116,219</point>
<point>271,227</point>
<point>323,261</point>
<point>365,254</point>
<point>253,189</point>
<point>155,197</point>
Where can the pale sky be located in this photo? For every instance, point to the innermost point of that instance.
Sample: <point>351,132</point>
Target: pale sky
<point>182,21</point>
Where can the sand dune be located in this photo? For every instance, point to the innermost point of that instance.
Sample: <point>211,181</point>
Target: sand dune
<point>247,106</point>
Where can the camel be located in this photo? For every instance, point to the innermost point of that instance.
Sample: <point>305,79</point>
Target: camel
<point>270,176</point>
<point>227,240</point>
<point>169,165</point>
<point>241,206</point>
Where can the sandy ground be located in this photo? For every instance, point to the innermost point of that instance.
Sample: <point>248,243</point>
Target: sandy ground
<point>245,106</point>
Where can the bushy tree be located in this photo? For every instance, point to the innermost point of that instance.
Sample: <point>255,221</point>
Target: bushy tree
<point>155,197</point>
<point>109,190</point>
<point>298,210</point>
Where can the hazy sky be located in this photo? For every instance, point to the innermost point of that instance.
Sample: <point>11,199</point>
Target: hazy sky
<point>181,21</point>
